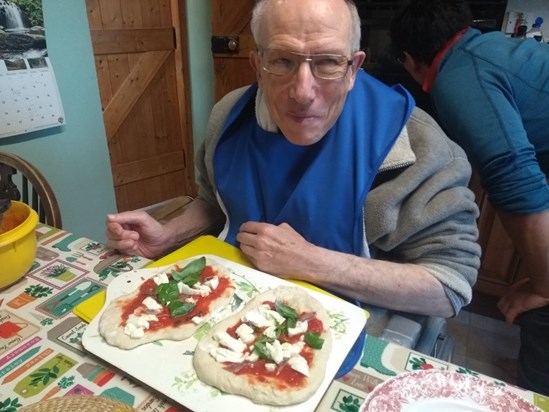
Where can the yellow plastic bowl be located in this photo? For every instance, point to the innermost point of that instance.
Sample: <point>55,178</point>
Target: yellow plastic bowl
<point>17,242</point>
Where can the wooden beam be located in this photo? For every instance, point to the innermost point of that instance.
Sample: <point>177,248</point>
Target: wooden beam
<point>131,89</point>
<point>147,168</point>
<point>132,40</point>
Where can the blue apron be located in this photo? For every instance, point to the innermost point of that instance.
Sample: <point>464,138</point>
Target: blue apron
<point>320,189</point>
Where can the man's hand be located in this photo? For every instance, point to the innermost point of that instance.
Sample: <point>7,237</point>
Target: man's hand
<point>136,233</point>
<point>274,249</point>
<point>520,298</point>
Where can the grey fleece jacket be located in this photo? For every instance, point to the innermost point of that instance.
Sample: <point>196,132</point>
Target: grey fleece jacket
<point>419,210</point>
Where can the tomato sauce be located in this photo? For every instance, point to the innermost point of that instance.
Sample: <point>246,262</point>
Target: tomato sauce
<point>282,377</point>
<point>201,308</point>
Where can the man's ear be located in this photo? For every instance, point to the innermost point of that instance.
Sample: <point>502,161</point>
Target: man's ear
<point>417,69</point>
<point>358,59</point>
<point>255,62</point>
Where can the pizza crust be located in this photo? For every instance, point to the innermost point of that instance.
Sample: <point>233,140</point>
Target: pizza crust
<point>213,373</point>
<point>110,323</point>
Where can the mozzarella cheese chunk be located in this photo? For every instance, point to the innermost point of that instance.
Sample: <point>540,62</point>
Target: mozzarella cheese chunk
<point>197,319</point>
<point>300,327</point>
<point>229,342</point>
<point>263,317</point>
<point>245,333</point>
<point>152,305</point>
<point>136,325</point>
<point>274,315</point>
<point>275,350</point>
<point>161,278</point>
<point>252,357</point>
<point>226,355</point>
<point>204,290</point>
<point>197,289</point>
<point>212,283</point>
<point>290,350</point>
<point>299,364</point>
<point>270,366</point>
<point>270,332</point>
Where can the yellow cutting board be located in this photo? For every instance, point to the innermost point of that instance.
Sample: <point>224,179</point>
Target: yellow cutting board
<point>203,245</point>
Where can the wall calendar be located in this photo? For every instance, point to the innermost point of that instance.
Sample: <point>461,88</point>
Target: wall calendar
<point>29,97</point>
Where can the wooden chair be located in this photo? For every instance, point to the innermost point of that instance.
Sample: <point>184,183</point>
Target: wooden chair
<point>34,189</point>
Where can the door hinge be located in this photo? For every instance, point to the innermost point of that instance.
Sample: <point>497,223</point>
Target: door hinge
<point>225,44</point>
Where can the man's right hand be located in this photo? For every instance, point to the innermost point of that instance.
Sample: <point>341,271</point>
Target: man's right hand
<point>136,233</point>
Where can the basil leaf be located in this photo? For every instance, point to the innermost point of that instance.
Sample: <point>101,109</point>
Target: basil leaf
<point>178,308</point>
<point>314,340</point>
<point>291,323</point>
<point>286,311</point>
<point>263,339</point>
<point>281,329</point>
<point>167,292</point>
<point>261,350</point>
<point>190,274</point>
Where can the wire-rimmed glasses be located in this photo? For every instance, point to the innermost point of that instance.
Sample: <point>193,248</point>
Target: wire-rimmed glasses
<point>323,66</point>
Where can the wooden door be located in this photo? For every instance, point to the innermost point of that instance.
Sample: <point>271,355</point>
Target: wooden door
<point>230,20</point>
<point>140,49</point>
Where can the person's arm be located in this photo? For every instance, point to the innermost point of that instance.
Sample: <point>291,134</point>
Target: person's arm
<point>530,235</point>
<point>136,232</point>
<point>282,251</point>
<point>198,218</point>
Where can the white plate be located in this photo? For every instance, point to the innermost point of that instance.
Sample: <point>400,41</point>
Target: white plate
<point>167,365</point>
<point>437,390</point>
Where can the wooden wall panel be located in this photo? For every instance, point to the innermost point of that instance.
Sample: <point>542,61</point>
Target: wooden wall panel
<point>141,60</point>
<point>231,73</point>
<point>232,70</point>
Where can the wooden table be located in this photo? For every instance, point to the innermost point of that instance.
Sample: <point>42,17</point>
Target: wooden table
<point>41,355</point>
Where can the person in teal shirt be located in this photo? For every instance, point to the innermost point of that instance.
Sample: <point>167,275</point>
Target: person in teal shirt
<point>490,94</point>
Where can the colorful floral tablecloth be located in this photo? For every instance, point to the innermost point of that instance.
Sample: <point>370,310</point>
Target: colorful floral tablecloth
<point>41,355</point>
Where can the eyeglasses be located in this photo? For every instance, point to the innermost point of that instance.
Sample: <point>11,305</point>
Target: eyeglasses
<point>323,66</point>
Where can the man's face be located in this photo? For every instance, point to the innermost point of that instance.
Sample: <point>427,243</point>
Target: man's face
<point>305,107</point>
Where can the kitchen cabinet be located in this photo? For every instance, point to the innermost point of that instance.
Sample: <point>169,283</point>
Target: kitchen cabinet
<point>500,264</point>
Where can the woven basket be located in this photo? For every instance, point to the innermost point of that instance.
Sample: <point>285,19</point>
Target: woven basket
<point>78,404</point>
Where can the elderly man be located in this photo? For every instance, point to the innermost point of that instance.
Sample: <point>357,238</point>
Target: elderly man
<point>321,173</point>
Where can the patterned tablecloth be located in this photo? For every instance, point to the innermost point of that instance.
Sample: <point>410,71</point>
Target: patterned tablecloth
<point>41,355</point>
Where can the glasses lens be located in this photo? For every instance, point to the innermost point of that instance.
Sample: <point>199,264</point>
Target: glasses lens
<point>323,66</point>
<point>327,66</point>
<point>279,62</point>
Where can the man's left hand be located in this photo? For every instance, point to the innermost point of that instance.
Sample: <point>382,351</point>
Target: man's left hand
<point>276,249</point>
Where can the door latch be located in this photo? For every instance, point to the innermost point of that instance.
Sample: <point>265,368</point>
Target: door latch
<point>225,44</point>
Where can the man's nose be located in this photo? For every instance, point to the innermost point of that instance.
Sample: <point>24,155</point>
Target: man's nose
<point>304,82</point>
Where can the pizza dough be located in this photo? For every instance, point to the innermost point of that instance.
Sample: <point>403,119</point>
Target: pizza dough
<point>266,389</point>
<point>112,324</point>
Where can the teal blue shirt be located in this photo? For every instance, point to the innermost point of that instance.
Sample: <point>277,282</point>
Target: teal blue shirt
<point>491,95</point>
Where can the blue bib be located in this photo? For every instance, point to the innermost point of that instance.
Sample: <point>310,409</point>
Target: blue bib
<point>318,189</point>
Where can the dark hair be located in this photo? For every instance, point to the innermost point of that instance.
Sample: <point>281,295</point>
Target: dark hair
<point>423,27</point>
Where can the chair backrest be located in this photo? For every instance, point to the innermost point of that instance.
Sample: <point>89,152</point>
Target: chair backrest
<point>34,189</point>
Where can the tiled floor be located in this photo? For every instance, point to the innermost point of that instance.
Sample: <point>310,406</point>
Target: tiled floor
<point>485,345</point>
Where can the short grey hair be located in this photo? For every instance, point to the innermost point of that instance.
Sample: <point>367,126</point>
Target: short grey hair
<point>258,15</point>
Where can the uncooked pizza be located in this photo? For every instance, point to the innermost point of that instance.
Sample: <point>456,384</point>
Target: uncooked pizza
<point>274,351</point>
<point>170,305</point>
